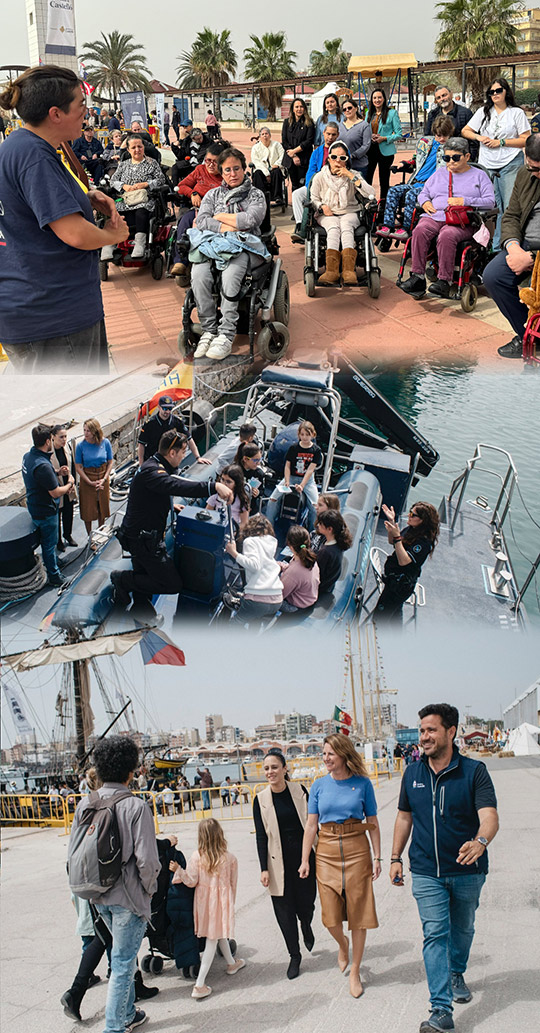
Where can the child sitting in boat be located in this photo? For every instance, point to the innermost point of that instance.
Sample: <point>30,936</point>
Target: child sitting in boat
<point>263,592</point>
<point>337,539</point>
<point>301,462</point>
<point>300,578</point>
<point>232,477</point>
<point>327,500</point>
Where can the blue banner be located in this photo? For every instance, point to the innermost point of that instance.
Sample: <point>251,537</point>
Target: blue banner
<point>134,108</point>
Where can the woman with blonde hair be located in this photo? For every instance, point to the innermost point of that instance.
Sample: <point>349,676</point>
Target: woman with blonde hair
<point>342,809</point>
<point>93,462</point>
<point>213,871</point>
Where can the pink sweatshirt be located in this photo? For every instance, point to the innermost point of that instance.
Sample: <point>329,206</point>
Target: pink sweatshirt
<point>300,585</point>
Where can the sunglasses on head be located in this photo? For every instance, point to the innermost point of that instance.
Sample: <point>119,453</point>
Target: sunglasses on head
<point>337,157</point>
<point>452,157</point>
<point>498,89</point>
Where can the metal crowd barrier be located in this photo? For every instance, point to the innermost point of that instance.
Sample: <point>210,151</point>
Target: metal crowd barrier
<point>170,807</point>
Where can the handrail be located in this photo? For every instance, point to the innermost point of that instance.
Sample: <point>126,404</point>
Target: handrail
<point>501,509</point>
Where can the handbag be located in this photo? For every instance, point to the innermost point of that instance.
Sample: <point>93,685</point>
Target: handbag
<point>134,197</point>
<point>457,214</point>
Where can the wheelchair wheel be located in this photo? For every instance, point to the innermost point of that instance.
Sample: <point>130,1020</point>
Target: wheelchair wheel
<point>157,267</point>
<point>145,963</point>
<point>384,245</point>
<point>156,965</point>
<point>281,300</point>
<point>374,285</point>
<point>104,271</point>
<point>309,281</point>
<point>269,349</point>
<point>431,273</point>
<point>469,297</point>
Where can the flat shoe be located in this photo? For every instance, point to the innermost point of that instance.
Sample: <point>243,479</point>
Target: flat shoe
<point>200,992</point>
<point>233,969</point>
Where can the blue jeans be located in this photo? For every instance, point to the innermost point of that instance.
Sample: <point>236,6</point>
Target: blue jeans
<point>503,185</point>
<point>446,907</point>
<point>310,493</point>
<point>207,806</point>
<point>127,930</point>
<point>48,529</point>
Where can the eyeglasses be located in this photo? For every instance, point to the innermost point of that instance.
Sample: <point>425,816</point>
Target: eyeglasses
<point>498,89</point>
<point>338,157</point>
<point>452,157</point>
<point>348,107</point>
<point>235,168</point>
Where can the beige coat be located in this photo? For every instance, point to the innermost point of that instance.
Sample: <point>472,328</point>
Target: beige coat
<point>276,871</point>
<point>338,192</point>
<point>55,462</point>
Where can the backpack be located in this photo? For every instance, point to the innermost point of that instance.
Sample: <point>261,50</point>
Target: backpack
<point>95,847</point>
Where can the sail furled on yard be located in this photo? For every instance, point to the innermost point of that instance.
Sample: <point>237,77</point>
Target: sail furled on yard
<point>85,649</point>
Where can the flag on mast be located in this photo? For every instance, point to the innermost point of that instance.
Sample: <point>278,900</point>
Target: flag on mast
<point>157,648</point>
<point>343,720</point>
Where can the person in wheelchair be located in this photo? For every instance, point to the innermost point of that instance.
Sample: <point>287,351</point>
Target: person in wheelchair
<point>267,157</point>
<point>300,196</point>
<point>192,189</point>
<point>412,546</point>
<point>429,157</point>
<point>334,194</point>
<point>454,186</point>
<point>134,178</point>
<point>301,462</point>
<point>235,207</point>
<point>113,153</point>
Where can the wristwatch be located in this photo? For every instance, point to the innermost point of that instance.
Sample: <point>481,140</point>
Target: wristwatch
<point>482,840</point>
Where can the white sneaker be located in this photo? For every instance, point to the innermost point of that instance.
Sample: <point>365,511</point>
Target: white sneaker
<point>205,341</point>
<point>107,253</point>
<point>220,348</point>
<point>139,245</point>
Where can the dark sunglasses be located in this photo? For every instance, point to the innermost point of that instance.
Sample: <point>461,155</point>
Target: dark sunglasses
<point>338,157</point>
<point>348,107</point>
<point>412,512</point>
<point>452,157</point>
<point>498,89</point>
<point>532,168</point>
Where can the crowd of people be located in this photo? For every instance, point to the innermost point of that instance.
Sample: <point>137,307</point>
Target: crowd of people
<point>325,842</point>
<point>334,160</point>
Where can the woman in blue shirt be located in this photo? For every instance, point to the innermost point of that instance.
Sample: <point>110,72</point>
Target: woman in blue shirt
<point>93,462</point>
<point>342,809</point>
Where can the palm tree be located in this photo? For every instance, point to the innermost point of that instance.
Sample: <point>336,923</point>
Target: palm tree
<point>477,28</point>
<point>115,63</point>
<point>210,62</point>
<point>333,60</point>
<point>266,60</point>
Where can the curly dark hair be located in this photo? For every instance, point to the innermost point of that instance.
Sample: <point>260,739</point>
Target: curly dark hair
<point>429,528</point>
<point>115,758</point>
<point>257,527</point>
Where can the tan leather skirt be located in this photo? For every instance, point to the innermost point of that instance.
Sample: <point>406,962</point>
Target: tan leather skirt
<point>94,505</point>
<point>344,875</point>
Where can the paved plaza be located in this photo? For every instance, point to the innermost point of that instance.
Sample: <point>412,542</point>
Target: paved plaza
<point>40,950</point>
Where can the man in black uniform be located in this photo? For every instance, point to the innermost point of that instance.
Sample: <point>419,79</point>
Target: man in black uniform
<point>154,429</point>
<point>143,527</point>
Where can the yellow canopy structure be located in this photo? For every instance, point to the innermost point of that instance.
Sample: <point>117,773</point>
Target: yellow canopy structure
<point>388,64</point>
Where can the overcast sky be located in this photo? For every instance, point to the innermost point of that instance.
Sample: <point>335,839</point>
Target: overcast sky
<point>248,679</point>
<point>166,28</point>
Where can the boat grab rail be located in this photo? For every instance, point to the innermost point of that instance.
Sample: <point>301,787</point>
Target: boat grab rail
<point>501,509</point>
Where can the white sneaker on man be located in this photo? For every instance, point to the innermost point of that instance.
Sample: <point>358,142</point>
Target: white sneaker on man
<point>107,253</point>
<point>139,245</point>
<point>220,348</point>
<point>205,342</point>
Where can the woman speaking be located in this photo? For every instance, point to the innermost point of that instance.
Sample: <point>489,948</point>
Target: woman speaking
<point>342,807</point>
<point>280,814</point>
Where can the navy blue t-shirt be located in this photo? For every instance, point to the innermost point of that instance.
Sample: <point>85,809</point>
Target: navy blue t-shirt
<point>47,288</point>
<point>39,479</point>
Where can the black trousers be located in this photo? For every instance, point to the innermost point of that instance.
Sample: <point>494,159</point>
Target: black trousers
<point>503,286</point>
<point>153,573</point>
<point>65,518</point>
<point>297,174</point>
<point>180,170</point>
<point>390,605</point>
<point>384,161</point>
<point>275,186</point>
<point>138,220</point>
<point>297,903</point>
<point>90,960</point>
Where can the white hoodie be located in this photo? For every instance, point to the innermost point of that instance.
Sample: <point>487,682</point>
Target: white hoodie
<point>262,570</point>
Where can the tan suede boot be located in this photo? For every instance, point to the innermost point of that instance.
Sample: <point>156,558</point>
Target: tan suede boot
<point>331,273</point>
<point>349,266</point>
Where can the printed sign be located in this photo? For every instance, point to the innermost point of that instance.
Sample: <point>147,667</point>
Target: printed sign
<point>134,108</point>
<point>60,28</point>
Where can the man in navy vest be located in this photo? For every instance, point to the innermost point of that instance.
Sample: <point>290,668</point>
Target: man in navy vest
<point>448,803</point>
<point>42,491</point>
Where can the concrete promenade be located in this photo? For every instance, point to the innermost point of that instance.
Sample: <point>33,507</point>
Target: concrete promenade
<point>40,951</point>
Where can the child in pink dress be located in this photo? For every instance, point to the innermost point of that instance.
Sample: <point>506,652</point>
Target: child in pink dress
<point>213,871</point>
